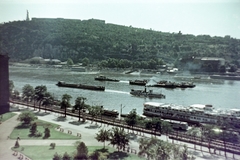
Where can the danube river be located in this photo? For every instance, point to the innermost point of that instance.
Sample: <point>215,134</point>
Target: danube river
<point>222,94</point>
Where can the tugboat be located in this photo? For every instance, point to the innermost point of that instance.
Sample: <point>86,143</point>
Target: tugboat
<point>138,82</point>
<point>145,93</point>
<point>80,86</point>
<point>104,78</point>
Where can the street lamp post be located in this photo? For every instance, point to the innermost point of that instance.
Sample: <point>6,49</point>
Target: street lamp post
<point>121,107</point>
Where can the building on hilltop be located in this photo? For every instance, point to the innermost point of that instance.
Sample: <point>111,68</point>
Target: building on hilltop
<point>4,84</point>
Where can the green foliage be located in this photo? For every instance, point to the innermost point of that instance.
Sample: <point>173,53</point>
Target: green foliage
<point>79,104</point>
<point>26,117</point>
<point>16,144</point>
<point>70,62</point>
<point>38,134</point>
<point>82,151</point>
<point>98,41</point>
<point>132,118</point>
<point>85,61</point>
<point>57,156</point>
<point>66,156</point>
<point>53,145</point>
<point>47,99</point>
<point>102,136</point>
<point>158,149</point>
<point>33,129</point>
<point>119,138</point>
<point>65,103</point>
<point>94,111</point>
<point>47,133</point>
<point>28,92</point>
<point>39,92</point>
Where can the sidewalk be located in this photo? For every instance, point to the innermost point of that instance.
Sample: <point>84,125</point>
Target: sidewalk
<point>88,132</point>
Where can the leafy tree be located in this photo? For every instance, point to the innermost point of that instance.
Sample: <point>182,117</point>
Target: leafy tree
<point>94,111</point>
<point>97,155</point>
<point>119,138</point>
<point>166,127</point>
<point>145,147</point>
<point>82,151</point>
<point>47,100</point>
<point>66,156</point>
<point>16,94</point>
<point>193,133</point>
<point>65,103</point>
<point>70,62</point>
<point>47,133</point>
<point>79,104</point>
<point>28,92</point>
<point>131,118</point>
<point>163,150</point>
<point>85,61</point>
<point>57,156</point>
<point>26,117</point>
<point>39,93</point>
<point>102,136</point>
<point>33,129</point>
<point>208,133</point>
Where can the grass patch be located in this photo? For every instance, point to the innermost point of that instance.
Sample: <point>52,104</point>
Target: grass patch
<point>24,131</point>
<point>6,116</point>
<point>36,152</point>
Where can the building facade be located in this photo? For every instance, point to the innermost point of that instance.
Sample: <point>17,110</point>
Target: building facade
<point>4,84</point>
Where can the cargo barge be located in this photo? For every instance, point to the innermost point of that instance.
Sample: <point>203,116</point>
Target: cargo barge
<point>80,86</point>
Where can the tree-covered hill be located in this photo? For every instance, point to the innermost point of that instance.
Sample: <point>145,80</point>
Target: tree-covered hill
<point>96,40</point>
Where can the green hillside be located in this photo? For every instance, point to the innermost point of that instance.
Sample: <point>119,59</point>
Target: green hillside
<point>96,40</point>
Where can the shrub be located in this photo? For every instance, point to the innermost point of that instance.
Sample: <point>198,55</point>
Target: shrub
<point>53,145</point>
<point>33,128</point>
<point>38,134</point>
<point>57,156</point>
<point>16,144</point>
<point>66,156</point>
<point>47,133</point>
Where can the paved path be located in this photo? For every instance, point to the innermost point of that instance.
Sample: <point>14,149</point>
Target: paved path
<point>88,133</point>
<point>6,128</point>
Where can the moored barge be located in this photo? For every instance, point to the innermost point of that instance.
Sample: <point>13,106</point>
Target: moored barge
<point>80,86</point>
<point>104,78</point>
<point>138,82</point>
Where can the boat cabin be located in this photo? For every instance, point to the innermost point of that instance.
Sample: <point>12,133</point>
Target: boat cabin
<point>202,107</point>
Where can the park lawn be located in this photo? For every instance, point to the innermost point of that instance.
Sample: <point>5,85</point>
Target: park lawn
<point>36,152</point>
<point>24,131</point>
<point>6,116</point>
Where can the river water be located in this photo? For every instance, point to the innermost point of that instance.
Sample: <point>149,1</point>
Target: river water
<point>222,95</point>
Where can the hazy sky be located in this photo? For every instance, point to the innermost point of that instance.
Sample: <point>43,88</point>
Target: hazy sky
<point>213,17</point>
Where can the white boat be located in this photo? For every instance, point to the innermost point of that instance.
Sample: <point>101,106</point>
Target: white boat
<point>196,113</point>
